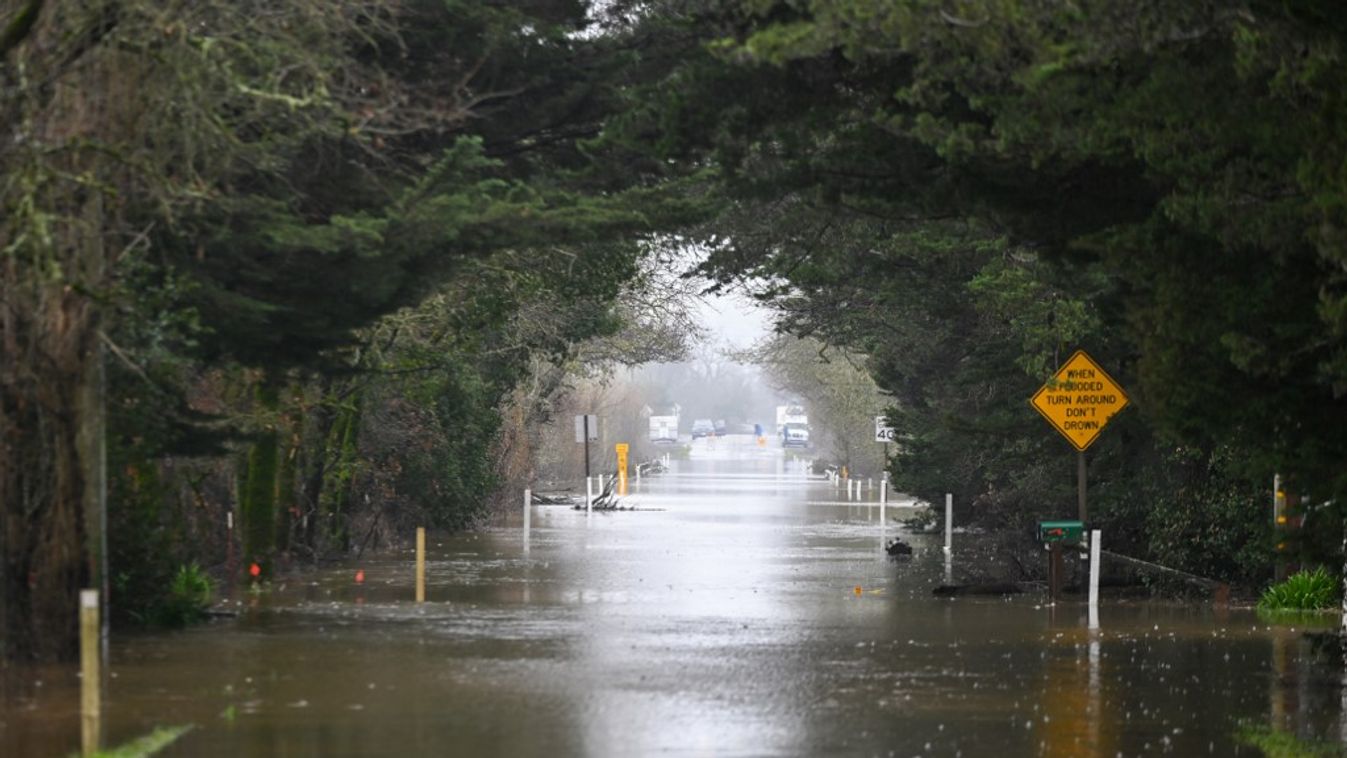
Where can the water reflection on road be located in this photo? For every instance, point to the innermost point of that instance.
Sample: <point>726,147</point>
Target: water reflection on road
<point>721,617</point>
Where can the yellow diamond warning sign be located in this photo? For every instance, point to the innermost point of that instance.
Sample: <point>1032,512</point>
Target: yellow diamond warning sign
<point>1079,400</point>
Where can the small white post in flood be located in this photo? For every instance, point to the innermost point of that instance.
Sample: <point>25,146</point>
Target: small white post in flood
<point>528,502</point>
<point>949,522</point>
<point>1094,570</point>
<point>883,503</point>
<point>589,495</point>
<point>420,564</point>
<point>91,677</point>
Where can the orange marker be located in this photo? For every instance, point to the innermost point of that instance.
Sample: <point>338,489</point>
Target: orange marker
<point>857,590</point>
<point>255,570</point>
<point>359,576</point>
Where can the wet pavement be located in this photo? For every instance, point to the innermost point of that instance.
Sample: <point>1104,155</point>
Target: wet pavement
<point>719,618</point>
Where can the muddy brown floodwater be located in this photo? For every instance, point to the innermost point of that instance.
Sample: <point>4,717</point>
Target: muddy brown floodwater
<point>719,619</point>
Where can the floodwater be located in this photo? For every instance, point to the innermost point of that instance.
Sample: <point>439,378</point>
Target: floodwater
<point>720,618</point>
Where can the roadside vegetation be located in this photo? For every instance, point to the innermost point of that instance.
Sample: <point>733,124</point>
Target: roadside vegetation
<point>330,267</point>
<point>1310,590</point>
<point>149,745</point>
<point>1276,743</point>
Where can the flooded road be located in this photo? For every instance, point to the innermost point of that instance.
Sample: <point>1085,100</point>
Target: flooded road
<point>720,618</point>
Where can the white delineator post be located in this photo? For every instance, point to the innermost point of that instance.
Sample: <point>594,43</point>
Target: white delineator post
<point>1094,568</point>
<point>883,503</point>
<point>949,522</point>
<point>589,495</point>
<point>528,501</point>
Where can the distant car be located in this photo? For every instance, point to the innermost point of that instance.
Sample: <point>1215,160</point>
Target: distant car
<point>702,427</point>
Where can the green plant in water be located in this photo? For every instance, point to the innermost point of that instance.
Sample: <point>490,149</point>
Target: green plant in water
<point>148,745</point>
<point>189,595</point>
<point>1276,743</point>
<point>1304,591</point>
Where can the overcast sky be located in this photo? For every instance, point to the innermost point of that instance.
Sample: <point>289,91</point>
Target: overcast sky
<point>733,320</point>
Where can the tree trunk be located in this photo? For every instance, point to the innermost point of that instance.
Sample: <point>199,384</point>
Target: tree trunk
<point>341,451</point>
<point>312,462</point>
<point>290,426</point>
<point>52,444</point>
<point>51,488</point>
<point>258,504</point>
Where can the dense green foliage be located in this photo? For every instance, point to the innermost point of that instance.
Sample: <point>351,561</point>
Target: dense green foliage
<point>1310,590</point>
<point>317,264</point>
<point>290,261</point>
<point>1278,743</point>
<point>968,192</point>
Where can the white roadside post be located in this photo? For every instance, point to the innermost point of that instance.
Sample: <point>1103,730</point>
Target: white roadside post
<point>589,495</point>
<point>528,503</point>
<point>883,503</point>
<point>949,522</point>
<point>1094,577</point>
<point>884,434</point>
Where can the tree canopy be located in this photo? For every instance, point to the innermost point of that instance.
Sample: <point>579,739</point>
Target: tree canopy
<point>304,261</point>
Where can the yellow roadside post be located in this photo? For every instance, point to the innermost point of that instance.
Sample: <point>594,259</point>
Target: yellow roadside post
<point>91,696</point>
<point>622,449</point>
<point>420,564</point>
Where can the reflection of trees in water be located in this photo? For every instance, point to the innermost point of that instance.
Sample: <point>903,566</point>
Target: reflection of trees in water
<point>1306,694</point>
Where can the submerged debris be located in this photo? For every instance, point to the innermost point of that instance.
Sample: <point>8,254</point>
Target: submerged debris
<point>557,498</point>
<point>896,548</point>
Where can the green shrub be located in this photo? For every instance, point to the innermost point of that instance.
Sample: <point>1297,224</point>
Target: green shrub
<point>1303,591</point>
<point>1276,743</point>
<point>189,595</point>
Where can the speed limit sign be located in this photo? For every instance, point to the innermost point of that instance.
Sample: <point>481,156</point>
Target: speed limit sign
<point>884,432</point>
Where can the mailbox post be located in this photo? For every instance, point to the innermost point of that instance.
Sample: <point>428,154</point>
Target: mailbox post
<point>1055,535</point>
